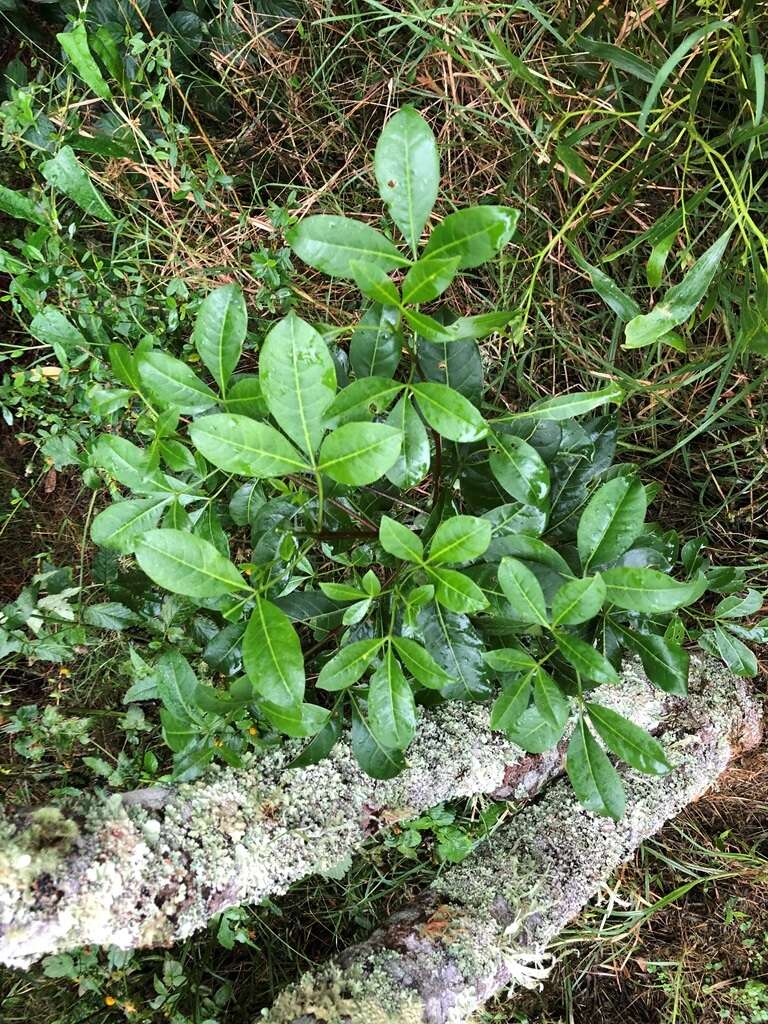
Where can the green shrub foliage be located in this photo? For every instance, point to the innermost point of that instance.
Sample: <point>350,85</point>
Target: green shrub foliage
<point>356,531</point>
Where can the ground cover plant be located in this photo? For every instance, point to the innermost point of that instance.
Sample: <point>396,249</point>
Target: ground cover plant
<point>166,184</point>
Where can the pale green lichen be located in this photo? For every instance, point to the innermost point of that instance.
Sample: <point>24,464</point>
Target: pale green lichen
<point>502,907</point>
<point>142,875</point>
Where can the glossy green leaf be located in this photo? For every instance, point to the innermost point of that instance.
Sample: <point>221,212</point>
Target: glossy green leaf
<point>238,444</point>
<point>66,174</point>
<point>650,591</point>
<point>510,704</point>
<point>75,44</point>
<point>399,541</point>
<point>665,663</point>
<point>376,344</point>
<point>407,168</point>
<point>374,283</point>
<point>613,518</point>
<point>19,205</point>
<point>120,526</point>
<point>510,659</point>
<point>565,407</point>
<point>449,413</point>
<point>628,741</point>
<point>578,601</point>
<point>420,664</point>
<point>474,235</point>
<point>457,592</point>
<point>187,565</point>
<point>736,607</point>
<point>331,243</point>
<point>680,301</point>
<point>373,757</point>
<point>428,279</point>
<point>361,399</point>
<point>736,655</point>
<point>412,464</point>
<point>177,686</point>
<point>130,465</point>
<point>51,327</point>
<point>520,470</point>
<point>272,655</point>
<point>359,453</point>
<point>171,382</point>
<point>458,366</point>
<point>346,667</point>
<point>594,779</point>
<point>459,539</point>
<point>549,699</point>
<point>321,745</point>
<point>245,503</point>
<point>391,707</point>
<point>533,732</point>
<point>586,659</point>
<point>219,332</point>
<point>523,592</point>
<point>244,397</point>
<point>297,720</point>
<point>456,646</point>
<point>298,380</point>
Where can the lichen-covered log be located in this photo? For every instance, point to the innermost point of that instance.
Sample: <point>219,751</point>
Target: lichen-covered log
<point>149,867</point>
<point>486,924</point>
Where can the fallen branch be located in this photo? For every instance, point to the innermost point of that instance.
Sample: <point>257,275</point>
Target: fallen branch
<point>149,867</point>
<point>485,925</point>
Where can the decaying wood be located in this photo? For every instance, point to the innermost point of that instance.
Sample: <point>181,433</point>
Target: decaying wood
<point>485,925</point>
<point>149,867</point>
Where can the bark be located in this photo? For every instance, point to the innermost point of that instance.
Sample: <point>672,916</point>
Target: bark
<point>485,925</point>
<point>149,867</point>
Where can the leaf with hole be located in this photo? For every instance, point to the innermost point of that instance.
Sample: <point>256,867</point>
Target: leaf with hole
<point>407,168</point>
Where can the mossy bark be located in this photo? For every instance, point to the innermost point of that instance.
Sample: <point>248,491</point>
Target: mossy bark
<point>153,866</point>
<point>485,925</point>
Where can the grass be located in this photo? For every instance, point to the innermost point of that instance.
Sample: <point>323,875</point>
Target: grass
<point>536,105</point>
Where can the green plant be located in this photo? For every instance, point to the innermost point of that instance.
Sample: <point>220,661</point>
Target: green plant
<point>400,519</point>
